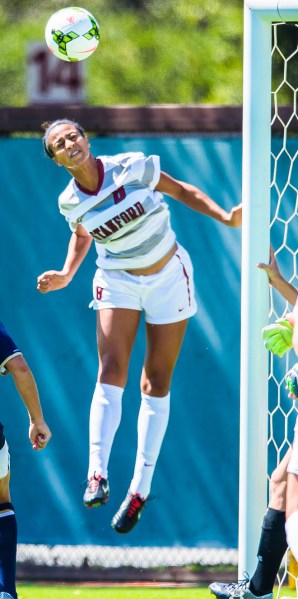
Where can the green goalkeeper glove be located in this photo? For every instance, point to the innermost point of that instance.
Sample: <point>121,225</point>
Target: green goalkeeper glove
<point>278,337</point>
<point>292,380</point>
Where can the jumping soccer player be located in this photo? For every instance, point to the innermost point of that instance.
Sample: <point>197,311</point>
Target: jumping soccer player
<point>117,201</point>
<point>12,362</point>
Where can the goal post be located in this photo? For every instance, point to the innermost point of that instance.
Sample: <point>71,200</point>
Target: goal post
<point>256,162</point>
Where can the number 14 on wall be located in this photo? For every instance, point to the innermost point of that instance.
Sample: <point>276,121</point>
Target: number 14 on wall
<point>50,80</point>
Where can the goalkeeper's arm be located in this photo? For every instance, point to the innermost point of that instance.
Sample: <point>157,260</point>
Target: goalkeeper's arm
<point>293,320</point>
<point>283,334</point>
<point>287,290</point>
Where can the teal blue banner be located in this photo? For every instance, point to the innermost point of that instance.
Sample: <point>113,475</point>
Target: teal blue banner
<point>195,487</point>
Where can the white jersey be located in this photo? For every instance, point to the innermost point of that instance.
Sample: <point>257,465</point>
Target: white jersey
<point>293,463</point>
<point>129,221</point>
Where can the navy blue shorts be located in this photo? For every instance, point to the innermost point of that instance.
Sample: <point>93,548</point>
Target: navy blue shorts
<point>2,438</point>
<point>8,348</point>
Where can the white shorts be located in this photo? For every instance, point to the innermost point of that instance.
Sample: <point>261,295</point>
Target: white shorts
<point>165,297</point>
<point>293,463</point>
<point>4,460</point>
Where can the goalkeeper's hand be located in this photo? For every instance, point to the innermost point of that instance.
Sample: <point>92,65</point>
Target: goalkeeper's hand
<point>292,381</point>
<point>277,337</point>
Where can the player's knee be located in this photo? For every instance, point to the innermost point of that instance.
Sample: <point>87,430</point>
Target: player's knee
<point>278,489</point>
<point>113,371</point>
<point>156,384</point>
<point>17,364</point>
<point>278,478</point>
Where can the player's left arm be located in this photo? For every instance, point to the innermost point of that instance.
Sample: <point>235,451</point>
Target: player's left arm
<point>39,432</point>
<point>194,198</point>
<point>78,247</point>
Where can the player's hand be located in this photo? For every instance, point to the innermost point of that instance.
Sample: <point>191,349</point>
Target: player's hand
<point>292,382</point>
<point>292,317</point>
<point>278,337</point>
<point>271,269</point>
<point>39,435</point>
<point>236,216</point>
<point>52,280</point>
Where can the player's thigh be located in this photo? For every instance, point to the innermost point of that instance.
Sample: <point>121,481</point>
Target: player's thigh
<point>116,333</point>
<point>4,489</point>
<point>163,344</point>
<point>4,469</point>
<point>169,295</point>
<point>278,483</point>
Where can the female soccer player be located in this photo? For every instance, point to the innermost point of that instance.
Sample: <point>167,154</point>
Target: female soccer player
<point>12,362</point>
<point>292,486</point>
<point>117,201</point>
<point>279,340</point>
<point>280,523</point>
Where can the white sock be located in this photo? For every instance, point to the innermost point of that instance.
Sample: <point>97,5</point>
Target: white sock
<point>105,416</point>
<point>152,425</point>
<point>292,533</point>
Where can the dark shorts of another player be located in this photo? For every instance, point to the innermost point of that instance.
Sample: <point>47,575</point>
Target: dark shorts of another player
<point>2,437</point>
<point>8,348</point>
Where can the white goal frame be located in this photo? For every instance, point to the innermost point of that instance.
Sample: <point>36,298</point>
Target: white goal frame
<point>258,18</point>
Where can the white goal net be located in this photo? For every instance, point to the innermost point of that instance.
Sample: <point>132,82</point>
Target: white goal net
<point>270,198</point>
<point>284,238</point>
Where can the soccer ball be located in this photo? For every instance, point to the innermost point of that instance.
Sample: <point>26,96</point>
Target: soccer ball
<point>72,34</point>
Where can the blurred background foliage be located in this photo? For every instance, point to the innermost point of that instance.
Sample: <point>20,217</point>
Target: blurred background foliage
<point>151,51</point>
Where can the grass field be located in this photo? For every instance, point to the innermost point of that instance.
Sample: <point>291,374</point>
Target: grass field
<point>73,592</point>
<point>26,591</point>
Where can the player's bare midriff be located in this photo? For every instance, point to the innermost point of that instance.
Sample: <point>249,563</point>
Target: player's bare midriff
<point>155,268</point>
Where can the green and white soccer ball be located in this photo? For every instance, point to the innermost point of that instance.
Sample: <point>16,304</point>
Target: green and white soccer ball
<point>72,34</point>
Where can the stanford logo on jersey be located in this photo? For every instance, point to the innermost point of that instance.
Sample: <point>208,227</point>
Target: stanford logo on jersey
<point>119,221</point>
<point>119,195</point>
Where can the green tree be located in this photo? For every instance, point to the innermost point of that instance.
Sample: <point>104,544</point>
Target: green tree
<point>151,51</point>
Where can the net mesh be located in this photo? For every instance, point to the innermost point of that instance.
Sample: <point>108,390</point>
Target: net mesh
<point>284,235</point>
<point>117,557</point>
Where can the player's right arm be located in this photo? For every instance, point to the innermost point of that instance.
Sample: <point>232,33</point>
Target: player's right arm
<point>78,248</point>
<point>288,291</point>
<point>292,317</point>
<point>282,335</point>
